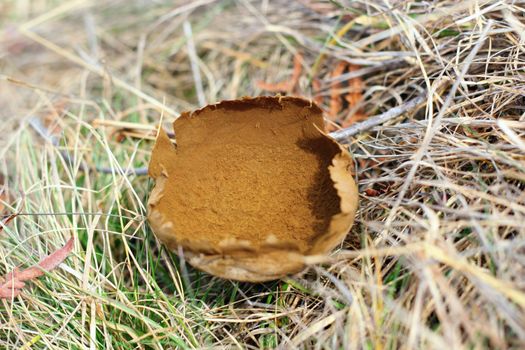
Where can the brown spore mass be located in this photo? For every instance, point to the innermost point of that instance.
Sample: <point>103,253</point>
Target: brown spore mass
<point>249,175</point>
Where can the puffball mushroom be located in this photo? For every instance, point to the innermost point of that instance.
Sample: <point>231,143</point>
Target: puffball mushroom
<point>251,188</point>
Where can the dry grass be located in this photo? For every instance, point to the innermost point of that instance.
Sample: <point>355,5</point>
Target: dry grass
<point>437,256</point>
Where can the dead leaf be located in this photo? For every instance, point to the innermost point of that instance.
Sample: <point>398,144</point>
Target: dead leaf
<point>251,188</point>
<point>336,104</point>
<point>355,98</point>
<point>286,86</point>
<point>14,280</point>
<point>356,85</point>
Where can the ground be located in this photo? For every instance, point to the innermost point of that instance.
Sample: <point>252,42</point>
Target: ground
<point>436,256</point>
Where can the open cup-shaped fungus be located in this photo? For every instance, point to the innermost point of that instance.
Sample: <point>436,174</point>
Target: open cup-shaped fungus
<point>251,188</point>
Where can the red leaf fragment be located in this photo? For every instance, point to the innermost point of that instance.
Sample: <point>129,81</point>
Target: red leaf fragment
<point>355,97</point>
<point>336,105</point>
<point>371,192</point>
<point>14,280</point>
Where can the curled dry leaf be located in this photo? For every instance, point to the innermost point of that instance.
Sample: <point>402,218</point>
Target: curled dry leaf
<point>355,98</point>
<point>15,280</point>
<point>336,105</point>
<point>251,188</point>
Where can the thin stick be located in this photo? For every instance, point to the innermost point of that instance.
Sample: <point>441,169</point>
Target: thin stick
<point>339,135</point>
<point>343,134</point>
<point>139,218</point>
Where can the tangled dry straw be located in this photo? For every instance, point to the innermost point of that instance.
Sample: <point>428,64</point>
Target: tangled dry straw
<point>436,256</point>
